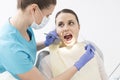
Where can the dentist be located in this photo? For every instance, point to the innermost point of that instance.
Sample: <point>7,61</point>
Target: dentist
<point>17,42</point>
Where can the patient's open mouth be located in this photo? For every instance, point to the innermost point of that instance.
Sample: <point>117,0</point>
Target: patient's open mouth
<point>68,37</point>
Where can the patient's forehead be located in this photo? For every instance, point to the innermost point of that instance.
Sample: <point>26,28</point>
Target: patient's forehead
<point>65,17</point>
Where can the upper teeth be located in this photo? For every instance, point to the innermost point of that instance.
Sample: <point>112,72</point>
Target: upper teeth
<point>67,34</point>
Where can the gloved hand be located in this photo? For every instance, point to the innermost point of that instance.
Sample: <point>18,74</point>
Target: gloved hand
<point>50,38</point>
<point>87,56</point>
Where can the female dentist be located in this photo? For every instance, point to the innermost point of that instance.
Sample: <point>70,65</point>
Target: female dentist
<point>17,42</point>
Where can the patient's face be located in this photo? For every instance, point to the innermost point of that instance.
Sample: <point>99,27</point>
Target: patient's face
<point>67,28</point>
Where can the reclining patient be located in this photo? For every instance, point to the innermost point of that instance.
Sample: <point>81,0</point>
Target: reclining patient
<point>69,51</point>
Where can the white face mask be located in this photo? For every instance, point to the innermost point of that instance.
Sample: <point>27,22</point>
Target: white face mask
<point>41,25</point>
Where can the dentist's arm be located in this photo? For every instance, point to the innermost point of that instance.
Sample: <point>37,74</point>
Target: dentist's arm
<point>40,45</point>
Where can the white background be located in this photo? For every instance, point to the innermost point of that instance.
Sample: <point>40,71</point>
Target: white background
<point>99,19</point>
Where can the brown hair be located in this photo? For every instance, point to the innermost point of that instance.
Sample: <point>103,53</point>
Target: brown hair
<point>67,11</point>
<point>41,3</point>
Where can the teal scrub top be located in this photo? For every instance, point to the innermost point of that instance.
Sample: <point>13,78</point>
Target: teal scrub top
<point>17,55</point>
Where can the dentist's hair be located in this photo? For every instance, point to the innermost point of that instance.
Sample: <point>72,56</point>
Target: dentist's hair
<point>22,4</point>
<point>67,11</point>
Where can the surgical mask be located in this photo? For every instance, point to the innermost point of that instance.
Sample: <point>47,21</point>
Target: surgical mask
<point>41,25</point>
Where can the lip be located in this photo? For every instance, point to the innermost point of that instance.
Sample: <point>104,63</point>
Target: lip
<point>68,38</point>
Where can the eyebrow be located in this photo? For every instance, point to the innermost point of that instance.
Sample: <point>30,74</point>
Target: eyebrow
<point>71,20</point>
<point>60,22</point>
<point>68,21</point>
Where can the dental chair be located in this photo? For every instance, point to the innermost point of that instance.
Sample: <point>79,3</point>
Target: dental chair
<point>40,56</point>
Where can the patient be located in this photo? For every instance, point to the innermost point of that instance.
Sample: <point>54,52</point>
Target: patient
<point>63,55</point>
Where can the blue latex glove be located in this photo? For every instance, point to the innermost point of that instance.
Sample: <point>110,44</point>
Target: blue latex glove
<point>88,55</point>
<point>50,38</point>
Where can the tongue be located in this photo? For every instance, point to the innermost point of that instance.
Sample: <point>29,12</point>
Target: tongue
<point>68,37</point>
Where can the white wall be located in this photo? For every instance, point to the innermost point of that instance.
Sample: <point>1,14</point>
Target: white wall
<point>99,19</point>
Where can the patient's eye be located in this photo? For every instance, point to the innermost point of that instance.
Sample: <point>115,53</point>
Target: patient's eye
<point>60,24</point>
<point>71,23</point>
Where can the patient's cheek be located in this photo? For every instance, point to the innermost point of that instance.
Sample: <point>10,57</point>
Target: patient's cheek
<point>59,34</point>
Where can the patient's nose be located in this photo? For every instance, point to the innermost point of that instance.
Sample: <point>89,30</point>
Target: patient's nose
<point>66,28</point>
